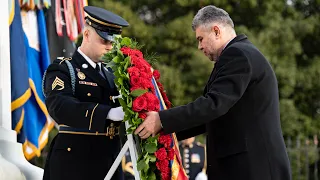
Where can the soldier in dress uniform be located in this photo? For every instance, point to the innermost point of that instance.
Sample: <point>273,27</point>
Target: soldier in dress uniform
<point>80,97</point>
<point>193,157</point>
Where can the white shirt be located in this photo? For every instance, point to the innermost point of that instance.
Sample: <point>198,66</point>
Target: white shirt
<point>92,63</point>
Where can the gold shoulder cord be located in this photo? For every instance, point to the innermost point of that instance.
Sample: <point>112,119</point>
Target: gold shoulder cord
<point>64,59</point>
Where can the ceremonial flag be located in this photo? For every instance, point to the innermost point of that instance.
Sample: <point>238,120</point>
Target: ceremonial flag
<point>177,170</point>
<point>29,59</point>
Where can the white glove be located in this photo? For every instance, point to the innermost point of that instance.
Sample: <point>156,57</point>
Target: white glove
<point>116,114</point>
<point>201,176</point>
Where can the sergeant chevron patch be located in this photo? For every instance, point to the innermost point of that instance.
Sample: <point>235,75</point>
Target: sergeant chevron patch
<point>57,82</point>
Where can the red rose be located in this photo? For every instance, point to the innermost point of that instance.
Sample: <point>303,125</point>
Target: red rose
<point>165,140</point>
<point>139,104</point>
<point>135,81</point>
<point>161,154</point>
<point>133,71</point>
<point>156,74</point>
<point>170,154</point>
<point>142,115</point>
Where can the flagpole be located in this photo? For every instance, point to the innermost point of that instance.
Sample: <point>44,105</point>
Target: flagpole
<point>13,165</point>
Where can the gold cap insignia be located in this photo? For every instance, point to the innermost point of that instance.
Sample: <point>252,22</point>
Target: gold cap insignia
<point>57,82</point>
<point>81,75</point>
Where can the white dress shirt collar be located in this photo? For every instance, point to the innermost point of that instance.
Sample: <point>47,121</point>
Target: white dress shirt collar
<point>92,63</point>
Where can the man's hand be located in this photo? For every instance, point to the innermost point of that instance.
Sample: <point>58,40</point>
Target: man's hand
<point>116,114</point>
<point>150,126</point>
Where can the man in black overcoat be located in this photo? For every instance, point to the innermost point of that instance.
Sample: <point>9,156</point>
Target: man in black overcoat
<point>239,108</point>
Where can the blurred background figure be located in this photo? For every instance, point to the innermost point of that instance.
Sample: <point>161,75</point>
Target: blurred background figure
<point>127,167</point>
<point>193,158</point>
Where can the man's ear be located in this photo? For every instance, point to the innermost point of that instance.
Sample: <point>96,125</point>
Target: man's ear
<point>86,34</point>
<point>216,30</point>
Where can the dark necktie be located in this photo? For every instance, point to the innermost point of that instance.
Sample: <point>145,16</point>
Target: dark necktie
<point>106,75</point>
<point>98,69</point>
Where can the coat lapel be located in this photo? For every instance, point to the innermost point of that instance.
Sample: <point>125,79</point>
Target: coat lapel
<point>89,71</point>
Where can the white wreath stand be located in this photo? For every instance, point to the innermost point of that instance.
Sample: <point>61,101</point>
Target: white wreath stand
<point>131,146</point>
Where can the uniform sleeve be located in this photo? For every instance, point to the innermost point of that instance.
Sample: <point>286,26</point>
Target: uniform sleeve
<point>224,91</point>
<point>64,108</point>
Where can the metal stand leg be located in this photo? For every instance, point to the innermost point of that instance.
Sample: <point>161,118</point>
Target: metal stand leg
<point>133,153</point>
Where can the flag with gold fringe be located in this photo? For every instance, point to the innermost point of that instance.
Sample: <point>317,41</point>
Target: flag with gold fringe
<point>29,59</point>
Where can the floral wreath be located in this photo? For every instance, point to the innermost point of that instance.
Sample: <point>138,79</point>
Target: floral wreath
<point>140,88</point>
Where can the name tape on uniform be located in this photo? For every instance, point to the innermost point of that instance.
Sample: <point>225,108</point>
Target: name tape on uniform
<point>88,83</point>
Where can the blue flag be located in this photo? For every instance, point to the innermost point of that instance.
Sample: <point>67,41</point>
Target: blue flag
<point>30,117</point>
<point>20,91</point>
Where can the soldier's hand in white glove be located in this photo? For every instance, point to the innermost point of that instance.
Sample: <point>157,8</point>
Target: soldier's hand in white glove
<point>116,114</point>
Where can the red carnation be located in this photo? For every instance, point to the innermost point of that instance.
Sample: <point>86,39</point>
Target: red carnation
<point>134,88</point>
<point>139,104</point>
<point>165,140</point>
<point>146,83</point>
<point>165,175</point>
<point>160,86</point>
<point>168,104</point>
<point>138,53</point>
<point>135,60</point>
<point>144,68</point>
<point>161,154</point>
<point>133,71</point>
<point>146,75</point>
<point>153,91</point>
<point>153,102</point>
<point>135,81</point>
<point>166,100</point>
<point>126,50</point>
<point>156,74</point>
<point>170,154</point>
<point>162,165</point>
